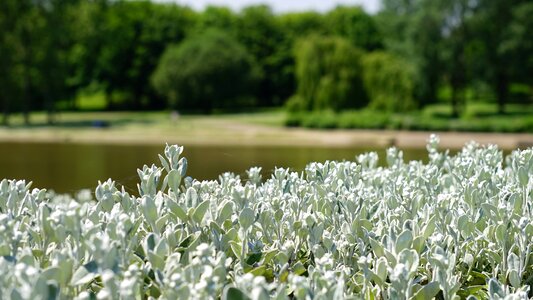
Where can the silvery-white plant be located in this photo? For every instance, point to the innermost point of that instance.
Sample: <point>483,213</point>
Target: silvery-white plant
<point>457,227</point>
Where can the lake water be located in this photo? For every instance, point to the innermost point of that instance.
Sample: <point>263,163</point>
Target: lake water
<point>68,167</point>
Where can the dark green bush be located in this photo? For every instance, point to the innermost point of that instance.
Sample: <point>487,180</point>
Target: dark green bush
<point>363,120</point>
<point>370,119</point>
<point>295,104</point>
<point>293,119</point>
<point>319,120</point>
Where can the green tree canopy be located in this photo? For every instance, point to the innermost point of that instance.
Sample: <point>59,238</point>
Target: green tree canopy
<point>219,17</point>
<point>354,24</point>
<point>299,24</point>
<point>264,39</point>
<point>413,30</point>
<point>328,73</point>
<point>133,35</point>
<point>34,43</point>
<point>518,43</point>
<point>460,45</point>
<point>502,26</point>
<point>205,72</point>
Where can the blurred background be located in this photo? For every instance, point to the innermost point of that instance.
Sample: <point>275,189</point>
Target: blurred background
<point>94,89</point>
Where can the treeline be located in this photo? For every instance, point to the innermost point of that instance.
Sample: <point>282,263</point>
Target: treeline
<point>143,55</point>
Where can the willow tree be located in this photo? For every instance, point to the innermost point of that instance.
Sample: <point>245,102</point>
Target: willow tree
<point>328,74</point>
<point>389,82</point>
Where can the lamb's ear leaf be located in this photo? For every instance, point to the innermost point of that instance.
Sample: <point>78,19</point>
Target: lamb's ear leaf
<point>495,289</point>
<point>427,292</point>
<point>164,163</point>
<point>200,210</point>
<point>233,293</point>
<point>85,274</point>
<point>404,241</point>
<point>246,218</point>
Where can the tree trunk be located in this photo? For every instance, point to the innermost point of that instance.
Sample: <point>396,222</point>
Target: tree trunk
<point>108,99</point>
<point>73,105</point>
<point>26,114</point>
<point>5,118</point>
<point>137,97</point>
<point>50,118</point>
<point>455,102</point>
<point>26,96</point>
<point>50,111</point>
<point>26,88</point>
<point>5,112</point>
<point>502,89</point>
<point>207,105</point>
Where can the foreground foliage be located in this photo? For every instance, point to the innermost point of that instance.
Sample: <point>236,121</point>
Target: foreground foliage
<point>458,226</point>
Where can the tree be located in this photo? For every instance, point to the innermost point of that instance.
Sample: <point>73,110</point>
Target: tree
<point>204,72</point>
<point>354,24</point>
<point>328,73</point>
<point>56,40</point>
<point>258,30</point>
<point>86,43</point>
<point>14,60</point>
<point>29,56</point>
<point>502,27</point>
<point>413,30</point>
<point>389,82</point>
<point>216,17</point>
<point>456,33</point>
<point>518,44</point>
<point>294,26</point>
<point>131,39</point>
<point>300,24</point>
<point>459,43</point>
<point>10,12</point>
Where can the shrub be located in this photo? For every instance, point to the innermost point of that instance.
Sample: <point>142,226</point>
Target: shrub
<point>459,226</point>
<point>295,104</point>
<point>319,119</point>
<point>293,119</point>
<point>205,71</point>
<point>363,119</point>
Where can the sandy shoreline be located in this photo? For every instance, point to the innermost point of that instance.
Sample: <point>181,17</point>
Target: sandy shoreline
<point>224,132</point>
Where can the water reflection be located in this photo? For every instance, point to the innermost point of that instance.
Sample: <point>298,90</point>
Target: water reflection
<point>67,167</point>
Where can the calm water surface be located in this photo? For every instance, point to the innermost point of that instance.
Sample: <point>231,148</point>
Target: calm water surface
<point>67,168</point>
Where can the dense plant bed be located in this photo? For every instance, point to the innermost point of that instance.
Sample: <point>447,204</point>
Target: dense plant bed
<point>460,226</point>
<point>367,119</point>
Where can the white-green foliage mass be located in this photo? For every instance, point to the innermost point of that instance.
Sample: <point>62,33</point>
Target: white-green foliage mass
<point>460,226</point>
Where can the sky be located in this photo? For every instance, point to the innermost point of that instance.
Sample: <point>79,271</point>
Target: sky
<point>282,6</point>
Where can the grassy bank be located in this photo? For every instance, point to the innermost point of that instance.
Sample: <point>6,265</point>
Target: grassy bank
<point>244,129</point>
<point>148,127</point>
<point>476,118</point>
<point>124,119</point>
